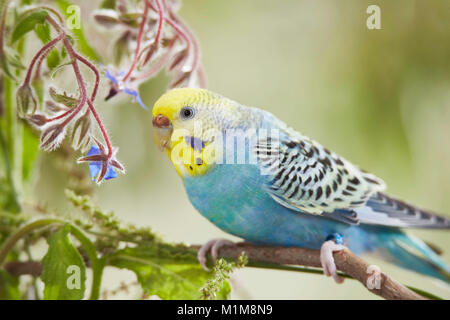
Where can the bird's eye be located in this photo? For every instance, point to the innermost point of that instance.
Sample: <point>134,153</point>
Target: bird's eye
<point>187,113</point>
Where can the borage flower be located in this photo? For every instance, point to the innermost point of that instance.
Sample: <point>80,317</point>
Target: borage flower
<point>101,164</point>
<point>118,85</point>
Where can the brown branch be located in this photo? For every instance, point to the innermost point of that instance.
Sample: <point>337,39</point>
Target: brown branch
<point>345,261</point>
<point>20,268</point>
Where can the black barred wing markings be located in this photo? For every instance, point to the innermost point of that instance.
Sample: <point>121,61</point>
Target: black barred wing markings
<point>386,210</point>
<point>307,177</point>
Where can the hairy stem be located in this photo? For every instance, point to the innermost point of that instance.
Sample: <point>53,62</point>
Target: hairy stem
<point>36,57</point>
<point>139,40</point>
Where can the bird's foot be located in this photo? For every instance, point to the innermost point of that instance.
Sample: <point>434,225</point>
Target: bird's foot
<point>333,243</point>
<point>212,246</point>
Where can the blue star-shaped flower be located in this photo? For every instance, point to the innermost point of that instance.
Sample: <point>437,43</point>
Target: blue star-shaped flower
<point>102,165</point>
<point>119,85</point>
<point>95,167</point>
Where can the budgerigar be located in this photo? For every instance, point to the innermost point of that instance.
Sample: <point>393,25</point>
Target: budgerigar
<point>254,177</point>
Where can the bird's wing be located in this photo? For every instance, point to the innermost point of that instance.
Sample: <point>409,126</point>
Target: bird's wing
<point>385,210</point>
<point>306,177</point>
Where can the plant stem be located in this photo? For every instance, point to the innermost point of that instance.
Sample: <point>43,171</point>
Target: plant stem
<point>96,263</point>
<point>3,5</point>
<point>43,50</point>
<point>139,40</point>
<point>273,266</point>
<point>16,236</point>
<point>11,142</point>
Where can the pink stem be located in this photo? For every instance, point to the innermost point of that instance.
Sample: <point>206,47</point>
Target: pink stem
<point>46,47</point>
<point>61,115</point>
<point>201,77</point>
<point>160,22</point>
<point>95,70</point>
<point>156,67</point>
<point>39,64</point>
<point>83,97</point>
<point>192,38</point>
<point>174,25</point>
<point>139,40</point>
<point>102,128</point>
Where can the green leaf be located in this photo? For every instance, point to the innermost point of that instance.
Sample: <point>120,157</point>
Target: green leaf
<point>64,272</point>
<point>43,33</point>
<point>27,23</point>
<point>108,4</point>
<point>13,58</point>
<point>62,98</point>
<point>5,67</point>
<point>53,59</point>
<point>10,58</point>
<point>164,272</point>
<point>9,287</point>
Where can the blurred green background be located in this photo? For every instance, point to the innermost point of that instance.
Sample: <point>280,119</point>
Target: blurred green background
<point>380,98</point>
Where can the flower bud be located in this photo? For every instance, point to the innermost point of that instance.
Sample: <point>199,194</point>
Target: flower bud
<point>26,102</point>
<point>106,17</point>
<point>52,137</point>
<point>37,119</point>
<point>149,52</point>
<point>178,59</point>
<point>81,132</point>
<point>55,107</point>
<point>131,19</point>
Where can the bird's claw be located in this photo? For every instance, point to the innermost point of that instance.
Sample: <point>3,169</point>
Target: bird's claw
<point>327,260</point>
<point>212,246</point>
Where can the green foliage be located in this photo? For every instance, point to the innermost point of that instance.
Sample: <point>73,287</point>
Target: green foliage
<point>10,149</point>
<point>167,270</point>
<point>30,153</point>
<point>10,58</point>
<point>164,271</point>
<point>218,287</point>
<point>108,4</point>
<point>27,22</point>
<point>42,31</point>
<point>61,259</point>
<point>63,98</point>
<point>9,287</point>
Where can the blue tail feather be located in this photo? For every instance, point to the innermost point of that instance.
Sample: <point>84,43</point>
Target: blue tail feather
<point>413,254</point>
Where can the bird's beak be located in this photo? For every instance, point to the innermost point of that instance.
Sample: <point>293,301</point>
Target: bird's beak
<point>163,131</point>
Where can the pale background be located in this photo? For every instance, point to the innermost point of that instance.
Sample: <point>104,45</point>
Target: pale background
<point>380,98</point>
